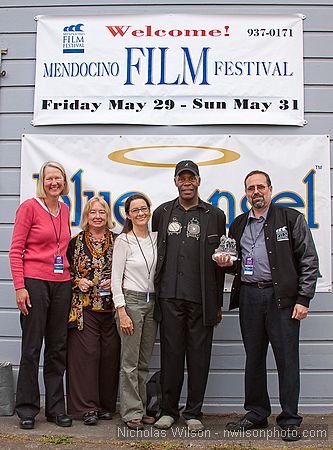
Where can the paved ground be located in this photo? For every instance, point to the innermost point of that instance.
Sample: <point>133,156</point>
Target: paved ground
<point>109,435</point>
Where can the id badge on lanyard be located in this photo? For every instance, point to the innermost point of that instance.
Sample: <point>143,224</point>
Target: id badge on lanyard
<point>249,260</point>
<point>248,266</point>
<point>58,264</point>
<point>58,260</point>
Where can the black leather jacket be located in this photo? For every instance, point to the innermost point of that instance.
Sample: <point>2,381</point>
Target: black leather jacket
<point>291,253</point>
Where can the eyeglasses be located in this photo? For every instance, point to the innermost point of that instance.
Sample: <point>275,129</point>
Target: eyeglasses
<point>136,211</point>
<point>94,212</point>
<point>259,187</point>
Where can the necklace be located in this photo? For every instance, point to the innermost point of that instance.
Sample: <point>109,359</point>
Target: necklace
<point>49,209</point>
<point>97,252</point>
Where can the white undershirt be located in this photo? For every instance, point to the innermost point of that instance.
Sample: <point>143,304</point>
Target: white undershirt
<point>40,201</point>
<point>129,269</point>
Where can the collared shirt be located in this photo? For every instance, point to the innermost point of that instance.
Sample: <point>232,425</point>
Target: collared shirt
<point>253,245</point>
<point>181,272</point>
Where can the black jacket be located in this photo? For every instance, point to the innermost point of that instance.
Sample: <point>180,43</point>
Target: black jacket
<point>291,253</point>
<point>212,224</point>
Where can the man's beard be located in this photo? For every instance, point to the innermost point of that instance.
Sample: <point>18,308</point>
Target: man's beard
<point>258,202</point>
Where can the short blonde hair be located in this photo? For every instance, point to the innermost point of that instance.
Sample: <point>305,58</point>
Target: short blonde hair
<point>40,191</point>
<point>87,208</point>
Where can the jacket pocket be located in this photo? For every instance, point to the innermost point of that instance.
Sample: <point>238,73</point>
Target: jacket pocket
<point>213,239</point>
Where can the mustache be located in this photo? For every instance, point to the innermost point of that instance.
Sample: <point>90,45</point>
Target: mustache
<point>258,200</point>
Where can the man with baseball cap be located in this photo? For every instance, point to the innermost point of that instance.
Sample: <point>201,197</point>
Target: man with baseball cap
<point>189,288</point>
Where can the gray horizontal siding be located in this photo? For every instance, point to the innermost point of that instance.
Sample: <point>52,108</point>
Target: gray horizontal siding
<point>318,17</point>
<point>12,125</point>
<point>10,154</point>
<point>225,384</point>
<point>18,34</point>
<point>65,3</point>
<point>225,391</point>
<point>8,205</point>
<point>10,181</point>
<point>225,356</point>
<point>5,236</point>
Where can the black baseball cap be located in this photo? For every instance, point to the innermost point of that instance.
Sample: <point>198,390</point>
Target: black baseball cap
<point>187,165</point>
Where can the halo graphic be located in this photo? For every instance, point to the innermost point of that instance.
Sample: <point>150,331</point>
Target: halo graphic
<point>119,156</point>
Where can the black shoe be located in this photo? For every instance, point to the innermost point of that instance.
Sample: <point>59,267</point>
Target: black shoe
<point>290,433</point>
<point>90,418</point>
<point>244,424</point>
<point>62,420</point>
<point>104,415</point>
<point>27,423</point>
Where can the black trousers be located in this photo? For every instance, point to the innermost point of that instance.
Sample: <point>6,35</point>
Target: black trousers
<point>183,335</point>
<point>262,322</point>
<point>93,364</point>
<point>47,318</point>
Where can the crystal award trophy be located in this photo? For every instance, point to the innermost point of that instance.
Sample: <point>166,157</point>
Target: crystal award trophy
<point>228,247</point>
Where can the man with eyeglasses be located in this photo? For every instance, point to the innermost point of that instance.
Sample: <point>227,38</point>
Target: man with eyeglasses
<point>275,279</point>
<point>189,288</point>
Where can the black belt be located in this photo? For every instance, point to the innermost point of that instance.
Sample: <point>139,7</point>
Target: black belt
<point>259,284</point>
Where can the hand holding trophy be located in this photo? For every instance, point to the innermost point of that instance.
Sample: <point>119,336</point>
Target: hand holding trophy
<point>226,253</point>
<point>103,286</point>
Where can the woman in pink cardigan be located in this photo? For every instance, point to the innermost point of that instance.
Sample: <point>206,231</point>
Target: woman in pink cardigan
<point>41,278</point>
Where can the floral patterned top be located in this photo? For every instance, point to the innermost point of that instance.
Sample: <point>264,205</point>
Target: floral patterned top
<point>89,259</point>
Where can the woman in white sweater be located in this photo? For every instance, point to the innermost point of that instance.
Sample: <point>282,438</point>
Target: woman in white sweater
<point>132,280</point>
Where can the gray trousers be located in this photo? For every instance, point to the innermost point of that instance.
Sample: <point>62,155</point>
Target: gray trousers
<point>136,351</point>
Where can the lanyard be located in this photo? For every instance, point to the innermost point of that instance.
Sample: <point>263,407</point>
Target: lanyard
<point>54,227</point>
<point>261,229</point>
<point>144,257</point>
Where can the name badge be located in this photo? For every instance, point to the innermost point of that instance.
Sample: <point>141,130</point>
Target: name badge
<point>102,292</point>
<point>58,264</point>
<point>248,266</point>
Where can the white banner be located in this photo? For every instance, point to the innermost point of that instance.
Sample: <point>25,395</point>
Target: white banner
<point>170,69</point>
<point>118,166</point>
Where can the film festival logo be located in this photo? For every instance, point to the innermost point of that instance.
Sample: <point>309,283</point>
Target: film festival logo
<point>73,39</point>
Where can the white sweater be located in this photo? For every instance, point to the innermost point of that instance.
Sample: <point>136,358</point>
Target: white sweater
<point>129,269</point>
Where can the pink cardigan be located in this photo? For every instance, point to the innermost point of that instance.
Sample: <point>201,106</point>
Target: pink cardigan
<point>34,243</point>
